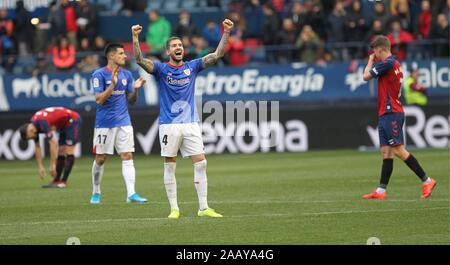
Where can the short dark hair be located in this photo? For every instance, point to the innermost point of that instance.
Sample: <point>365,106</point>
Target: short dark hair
<point>382,42</point>
<point>23,131</point>
<point>171,39</point>
<point>112,47</point>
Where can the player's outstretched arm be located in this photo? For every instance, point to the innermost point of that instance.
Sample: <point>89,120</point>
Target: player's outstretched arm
<point>146,64</point>
<point>212,58</point>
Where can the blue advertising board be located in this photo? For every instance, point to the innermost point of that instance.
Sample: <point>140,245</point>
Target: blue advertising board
<point>295,82</point>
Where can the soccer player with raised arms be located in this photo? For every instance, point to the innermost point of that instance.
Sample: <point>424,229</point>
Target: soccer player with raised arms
<point>114,89</point>
<point>179,129</point>
<point>384,66</point>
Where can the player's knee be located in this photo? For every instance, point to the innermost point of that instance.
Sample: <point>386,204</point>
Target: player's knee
<point>401,153</point>
<point>62,151</point>
<point>100,159</point>
<point>170,159</point>
<point>126,156</point>
<point>198,158</point>
<point>200,165</point>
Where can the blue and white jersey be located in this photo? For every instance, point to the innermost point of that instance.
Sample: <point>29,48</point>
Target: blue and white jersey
<point>176,85</point>
<point>114,112</point>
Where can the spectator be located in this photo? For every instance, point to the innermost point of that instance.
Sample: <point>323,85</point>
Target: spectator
<point>402,14</point>
<point>23,29</point>
<point>86,21</point>
<point>70,15</point>
<point>415,93</point>
<point>158,32</point>
<point>375,30</point>
<point>235,50</point>
<point>424,21</point>
<point>200,47</point>
<point>189,53</point>
<point>129,7</point>
<point>63,54</point>
<point>185,26</point>
<point>287,37</point>
<point>88,64</point>
<point>211,32</point>
<point>308,43</point>
<point>441,32</point>
<point>42,30</point>
<point>99,48</point>
<point>6,34</point>
<point>323,56</point>
<point>317,18</point>
<point>271,25</point>
<point>355,29</point>
<point>57,19</point>
<point>336,23</point>
<point>41,66</point>
<point>381,14</point>
<point>253,14</point>
<point>399,39</point>
<point>297,16</point>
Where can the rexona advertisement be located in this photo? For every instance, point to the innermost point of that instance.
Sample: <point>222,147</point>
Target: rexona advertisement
<point>291,130</point>
<point>296,82</point>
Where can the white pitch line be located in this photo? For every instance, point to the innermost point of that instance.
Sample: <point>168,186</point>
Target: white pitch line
<point>226,217</point>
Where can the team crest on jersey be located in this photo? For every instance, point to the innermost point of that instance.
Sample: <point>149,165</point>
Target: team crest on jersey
<point>124,82</point>
<point>187,71</point>
<point>95,82</point>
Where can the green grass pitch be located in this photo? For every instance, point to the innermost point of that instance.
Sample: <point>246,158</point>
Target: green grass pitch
<point>272,198</point>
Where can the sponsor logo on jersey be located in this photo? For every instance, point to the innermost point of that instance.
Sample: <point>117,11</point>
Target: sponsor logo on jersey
<point>178,82</point>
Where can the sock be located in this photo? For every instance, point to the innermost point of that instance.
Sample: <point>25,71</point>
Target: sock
<point>414,165</point>
<point>70,160</point>
<point>170,183</point>
<point>97,174</point>
<point>129,175</point>
<point>60,162</point>
<point>386,172</point>
<point>201,183</point>
<point>380,190</point>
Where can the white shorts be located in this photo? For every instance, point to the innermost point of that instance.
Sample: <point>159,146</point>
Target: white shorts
<point>185,137</point>
<point>105,139</point>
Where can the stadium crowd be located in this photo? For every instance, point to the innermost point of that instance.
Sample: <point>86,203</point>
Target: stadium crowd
<point>67,38</point>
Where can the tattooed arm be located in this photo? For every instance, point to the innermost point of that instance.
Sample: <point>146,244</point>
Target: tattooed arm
<point>212,58</point>
<point>146,64</point>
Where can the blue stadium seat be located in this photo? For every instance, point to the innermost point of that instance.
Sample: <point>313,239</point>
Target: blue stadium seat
<point>153,5</point>
<point>171,6</point>
<point>189,4</point>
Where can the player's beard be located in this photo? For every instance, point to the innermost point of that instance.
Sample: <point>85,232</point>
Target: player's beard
<point>177,59</point>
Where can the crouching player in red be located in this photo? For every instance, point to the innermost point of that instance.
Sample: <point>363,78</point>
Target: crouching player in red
<point>384,66</point>
<point>49,121</point>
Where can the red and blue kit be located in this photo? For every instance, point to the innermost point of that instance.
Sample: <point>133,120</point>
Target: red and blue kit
<point>67,122</point>
<point>390,110</point>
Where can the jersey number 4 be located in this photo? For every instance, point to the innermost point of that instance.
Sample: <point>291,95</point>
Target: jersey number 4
<point>164,139</point>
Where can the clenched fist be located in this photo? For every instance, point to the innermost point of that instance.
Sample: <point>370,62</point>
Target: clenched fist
<point>227,25</point>
<point>136,29</point>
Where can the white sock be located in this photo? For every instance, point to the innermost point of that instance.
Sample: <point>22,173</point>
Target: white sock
<point>380,190</point>
<point>201,183</point>
<point>129,175</point>
<point>426,181</point>
<point>97,174</point>
<point>170,183</point>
